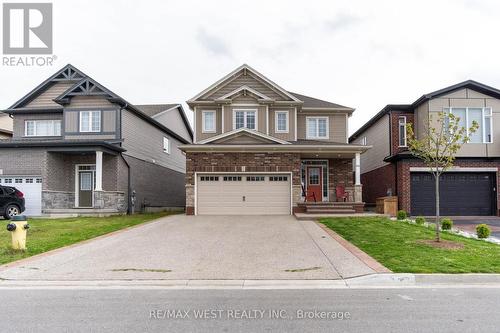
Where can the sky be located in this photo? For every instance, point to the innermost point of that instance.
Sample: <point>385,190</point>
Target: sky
<point>362,54</point>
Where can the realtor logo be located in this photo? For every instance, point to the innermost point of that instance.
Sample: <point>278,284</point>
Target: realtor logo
<point>27,28</point>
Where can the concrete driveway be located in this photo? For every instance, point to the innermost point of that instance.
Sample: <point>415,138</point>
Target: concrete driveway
<point>201,247</point>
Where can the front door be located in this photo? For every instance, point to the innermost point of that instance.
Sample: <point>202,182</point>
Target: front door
<point>314,184</point>
<point>85,186</point>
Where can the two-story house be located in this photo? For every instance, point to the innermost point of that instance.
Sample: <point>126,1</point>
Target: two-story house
<point>5,126</point>
<point>78,148</point>
<point>469,188</point>
<point>260,149</point>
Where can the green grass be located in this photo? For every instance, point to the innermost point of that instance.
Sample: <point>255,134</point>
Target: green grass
<point>395,245</point>
<point>48,234</point>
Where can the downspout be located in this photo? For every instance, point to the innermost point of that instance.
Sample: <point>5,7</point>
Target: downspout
<point>129,186</point>
<point>395,164</point>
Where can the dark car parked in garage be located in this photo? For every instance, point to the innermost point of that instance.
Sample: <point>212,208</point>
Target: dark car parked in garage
<point>11,201</point>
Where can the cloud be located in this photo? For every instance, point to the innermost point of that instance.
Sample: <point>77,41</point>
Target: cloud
<point>342,21</point>
<point>212,43</point>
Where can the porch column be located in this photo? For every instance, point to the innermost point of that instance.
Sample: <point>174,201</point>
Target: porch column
<point>358,168</point>
<point>98,171</point>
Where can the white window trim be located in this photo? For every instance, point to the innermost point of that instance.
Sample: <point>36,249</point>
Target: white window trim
<point>399,129</point>
<point>245,118</point>
<point>317,128</point>
<point>167,149</point>
<point>287,127</point>
<point>203,129</point>
<point>483,109</point>
<point>364,141</point>
<point>91,112</point>
<point>54,121</point>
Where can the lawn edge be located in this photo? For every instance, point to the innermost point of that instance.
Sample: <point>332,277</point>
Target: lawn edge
<point>356,251</point>
<point>56,250</point>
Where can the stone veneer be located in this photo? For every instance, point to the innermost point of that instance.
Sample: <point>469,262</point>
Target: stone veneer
<point>340,170</point>
<point>66,200</point>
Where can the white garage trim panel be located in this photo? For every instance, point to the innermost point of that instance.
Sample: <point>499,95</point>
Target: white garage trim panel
<point>31,186</point>
<point>243,193</point>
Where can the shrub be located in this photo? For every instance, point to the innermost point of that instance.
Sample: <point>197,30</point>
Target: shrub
<point>446,224</point>
<point>483,231</point>
<point>401,215</point>
<point>420,220</point>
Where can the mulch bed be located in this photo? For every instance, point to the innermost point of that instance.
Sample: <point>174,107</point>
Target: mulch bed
<point>443,244</point>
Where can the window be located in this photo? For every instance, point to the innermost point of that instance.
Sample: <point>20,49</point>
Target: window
<point>314,176</point>
<point>166,145</point>
<point>18,180</point>
<point>209,178</point>
<point>8,180</point>
<point>482,116</point>
<point>364,141</point>
<point>402,131</point>
<point>281,121</point>
<point>90,121</point>
<point>29,180</point>
<point>278,178</point>
<point>232,178</point>
<point>255,179</point>
<point>208,121</point>
<point>245,118</point>
<point>42,128</point>
<point>317,127</point>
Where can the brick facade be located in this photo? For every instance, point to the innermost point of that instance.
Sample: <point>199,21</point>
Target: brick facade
<point>404,180</point>
<point>395,149</point>
<point>377,182</point>
<point>340,170</point>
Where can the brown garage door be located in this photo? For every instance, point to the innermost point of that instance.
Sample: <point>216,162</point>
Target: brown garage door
<point>461,193</point>
<point>243,194</point>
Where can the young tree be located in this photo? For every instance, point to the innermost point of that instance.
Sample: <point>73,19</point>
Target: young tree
<point>438,146</point>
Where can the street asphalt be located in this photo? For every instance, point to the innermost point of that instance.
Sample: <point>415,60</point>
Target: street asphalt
<point>359,310</point>
<point>207,247</point>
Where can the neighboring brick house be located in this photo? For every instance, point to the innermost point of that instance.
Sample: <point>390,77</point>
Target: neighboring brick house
<point>259,149</point>
<point>469,188</point>
<point>78,148</point>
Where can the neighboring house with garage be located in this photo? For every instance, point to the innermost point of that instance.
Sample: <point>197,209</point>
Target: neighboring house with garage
<point>468,188</point>
<point>78,148</point>
<point>260,149</point>
<point>5,126</point>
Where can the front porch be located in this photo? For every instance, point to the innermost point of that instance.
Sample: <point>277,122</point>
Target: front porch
<point>84,183</point>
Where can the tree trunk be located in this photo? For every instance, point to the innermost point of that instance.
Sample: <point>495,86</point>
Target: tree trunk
<point>438,239</point>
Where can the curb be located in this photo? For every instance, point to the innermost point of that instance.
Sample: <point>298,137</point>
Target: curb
<point>372,281</point>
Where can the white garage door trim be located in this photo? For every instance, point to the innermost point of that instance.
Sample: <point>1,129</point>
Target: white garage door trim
<point>33,203</point>
<point>196,174</point>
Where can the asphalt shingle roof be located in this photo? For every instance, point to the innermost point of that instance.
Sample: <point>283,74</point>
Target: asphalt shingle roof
<point>153,109</point>
<point>312,102</point>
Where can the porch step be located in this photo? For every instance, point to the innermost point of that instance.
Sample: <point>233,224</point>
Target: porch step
<point>328,210</point>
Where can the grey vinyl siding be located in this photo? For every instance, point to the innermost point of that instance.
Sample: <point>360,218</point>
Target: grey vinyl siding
<point>469,98</point>
<point>109,124</point>
<point>5,122</point>
<point>19,120</point>
<point>90,102</point>
<point>242,80</point>
<point>45,99</point>
<point>199,125</point>
<point>337,123</point>
<point>145,141</point>
<point>173,120</point>
<point>156,186</point>
<point>290,136</point>
<point>378,137</point>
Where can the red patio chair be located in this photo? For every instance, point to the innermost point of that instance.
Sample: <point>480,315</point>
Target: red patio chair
<point>342,194</point>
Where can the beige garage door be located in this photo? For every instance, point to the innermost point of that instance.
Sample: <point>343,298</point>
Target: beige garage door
<point>242,194</point>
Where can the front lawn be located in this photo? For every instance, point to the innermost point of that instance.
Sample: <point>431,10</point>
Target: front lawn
<point>48,234</point>
<point>397,245</point>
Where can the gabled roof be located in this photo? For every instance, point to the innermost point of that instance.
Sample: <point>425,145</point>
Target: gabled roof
<point>311,102</point>
<point>243,131</point>
<point>250,69</point>
<point>244,89</point>
<point>155,110</point>
<point>86,86</point>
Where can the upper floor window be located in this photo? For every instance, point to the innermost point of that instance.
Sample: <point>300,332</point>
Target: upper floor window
<point>90,121</point>
<point>482,116</point>
<point>166,145</point>
<point>402,131</point>
<point>42,128</point>
<point>364,141</point>
<point>245,118</point>
<point>208,121</point>
<point>281,121</point>
<point>317,127</point>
